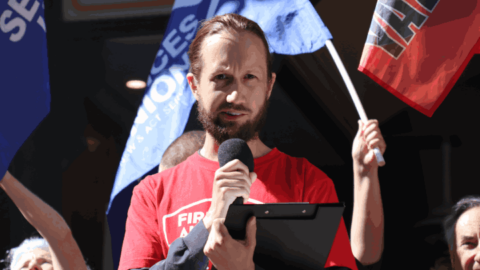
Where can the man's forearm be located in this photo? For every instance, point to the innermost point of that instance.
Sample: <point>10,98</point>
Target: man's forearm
<point>367,221</point>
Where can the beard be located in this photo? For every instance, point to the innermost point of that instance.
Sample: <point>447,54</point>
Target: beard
<point>223,130</point>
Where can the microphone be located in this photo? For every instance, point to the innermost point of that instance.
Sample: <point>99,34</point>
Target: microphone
<point>235,149</point>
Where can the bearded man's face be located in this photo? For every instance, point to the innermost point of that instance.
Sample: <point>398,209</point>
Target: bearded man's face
<point>223,129</point>
<point>233,88</point>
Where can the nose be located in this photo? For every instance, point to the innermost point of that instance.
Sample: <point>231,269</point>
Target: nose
<point>237,94</point>
<point>477,254</point>
<point>34,265</point>
<point>233,97</point>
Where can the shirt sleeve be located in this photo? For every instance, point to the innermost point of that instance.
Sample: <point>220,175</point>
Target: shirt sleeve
<point>141,244</point>
<point>319,188</point>
<point>142,249</point>
<point>187,253</point>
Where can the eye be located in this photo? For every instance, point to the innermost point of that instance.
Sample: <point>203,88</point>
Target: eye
<point>43,261</point>
<point>469,244</point>
<point>250,76</point>
<point>221,77</point>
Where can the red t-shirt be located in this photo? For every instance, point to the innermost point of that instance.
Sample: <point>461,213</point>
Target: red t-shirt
<point>167,205</point>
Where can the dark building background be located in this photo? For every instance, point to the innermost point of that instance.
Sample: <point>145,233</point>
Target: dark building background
<point>70,160</point>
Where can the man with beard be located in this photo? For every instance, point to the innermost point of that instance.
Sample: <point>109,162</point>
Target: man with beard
<point>176,217</point>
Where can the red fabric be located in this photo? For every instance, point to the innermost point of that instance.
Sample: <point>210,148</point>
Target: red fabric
<point>477,46</point>
<point>167,205</point>
<point>433,60</point>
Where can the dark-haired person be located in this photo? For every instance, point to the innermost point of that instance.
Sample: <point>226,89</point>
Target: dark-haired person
<point>462,231</point>
<point>58,250</point>
<point>180,149</point>
<point>176,217</point>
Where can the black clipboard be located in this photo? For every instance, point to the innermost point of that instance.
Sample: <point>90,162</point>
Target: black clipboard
<point>289,236</point>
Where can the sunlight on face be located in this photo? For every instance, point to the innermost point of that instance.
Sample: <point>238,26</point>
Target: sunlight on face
<point>37,259</point>
<point>467,236</point>
<point>234,71</point>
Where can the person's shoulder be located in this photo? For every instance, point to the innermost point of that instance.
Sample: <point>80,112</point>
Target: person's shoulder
<point>312,169</point>
<point>154,180</point>
<point>180,167</point>
<point>305,164</point>
<point>276,154</point>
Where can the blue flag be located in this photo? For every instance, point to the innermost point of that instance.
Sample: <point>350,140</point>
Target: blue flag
<point>24,89</point>
<point>291,27</point>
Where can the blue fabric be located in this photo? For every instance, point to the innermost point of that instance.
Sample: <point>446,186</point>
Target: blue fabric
<point>187,252</point>
<point>291,27</point>
<point>24,88</point>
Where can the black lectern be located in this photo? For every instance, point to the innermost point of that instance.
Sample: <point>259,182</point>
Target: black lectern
<point>289,236</point>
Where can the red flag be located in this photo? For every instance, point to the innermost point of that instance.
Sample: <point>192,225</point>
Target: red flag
<point>417,49</point>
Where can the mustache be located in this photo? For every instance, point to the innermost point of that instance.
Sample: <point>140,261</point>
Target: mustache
<point>231,106</point>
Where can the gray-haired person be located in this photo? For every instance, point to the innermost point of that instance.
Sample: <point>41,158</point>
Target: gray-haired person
<point>462,231</point>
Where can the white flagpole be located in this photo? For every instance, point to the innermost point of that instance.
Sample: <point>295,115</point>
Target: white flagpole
<point>353,93</point>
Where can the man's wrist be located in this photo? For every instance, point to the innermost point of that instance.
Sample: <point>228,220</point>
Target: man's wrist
<point>207,222</point>
<point>363,171</point>
<point>210,216</point>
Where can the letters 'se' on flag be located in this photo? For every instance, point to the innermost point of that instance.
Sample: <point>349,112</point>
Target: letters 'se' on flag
<point>24,80</point>
<point>291,27</point>
<point>417,49</point>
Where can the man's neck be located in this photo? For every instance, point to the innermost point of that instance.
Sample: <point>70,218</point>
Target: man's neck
<point>210,148</point>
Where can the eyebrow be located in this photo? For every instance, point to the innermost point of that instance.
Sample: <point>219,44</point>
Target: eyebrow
<point>250,70</point>
<point>48,257</point>
<point>45,257</point>
<point>220,68</point>
<point>255,68</point>
<point>467,237</point>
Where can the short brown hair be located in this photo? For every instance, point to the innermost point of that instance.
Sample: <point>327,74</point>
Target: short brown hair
<point>183,147</point>
<point>230,23</point>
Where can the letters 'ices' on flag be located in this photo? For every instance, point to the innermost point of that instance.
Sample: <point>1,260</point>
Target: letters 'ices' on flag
<point>24,79</point>
<point>417,49</point>
<point>291,27</point>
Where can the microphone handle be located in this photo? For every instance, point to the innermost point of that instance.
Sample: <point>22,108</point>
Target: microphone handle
<point>238,200</point>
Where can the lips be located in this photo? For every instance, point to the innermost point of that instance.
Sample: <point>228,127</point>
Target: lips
<point>230,115</point>
<point>232,111</point>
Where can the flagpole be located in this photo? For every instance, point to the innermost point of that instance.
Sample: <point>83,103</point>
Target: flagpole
<point>353,93</point>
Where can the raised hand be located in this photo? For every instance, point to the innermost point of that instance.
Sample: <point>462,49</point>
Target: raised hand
<point>231,181</point>
<point>368,137</point>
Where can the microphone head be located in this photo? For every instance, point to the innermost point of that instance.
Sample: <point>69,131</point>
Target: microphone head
<point>235,149</point>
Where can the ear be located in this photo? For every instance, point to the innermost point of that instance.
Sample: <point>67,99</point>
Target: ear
<point>270,84</point>
<point>192,82</point>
